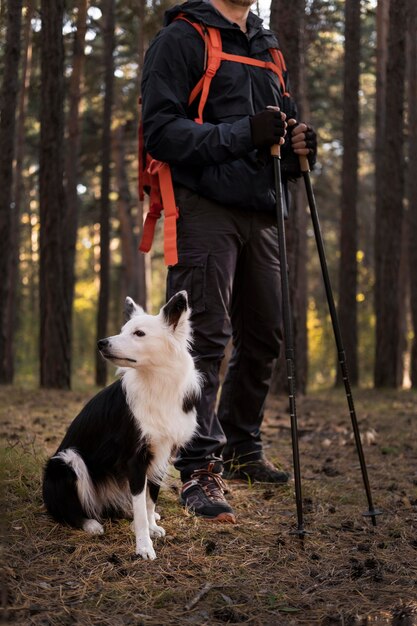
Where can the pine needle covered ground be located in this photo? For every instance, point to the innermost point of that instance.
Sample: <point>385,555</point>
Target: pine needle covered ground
<point>344,573</point>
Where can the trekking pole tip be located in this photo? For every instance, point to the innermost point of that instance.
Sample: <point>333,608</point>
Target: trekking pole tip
<point>372,513</point>
<point>300,532</point>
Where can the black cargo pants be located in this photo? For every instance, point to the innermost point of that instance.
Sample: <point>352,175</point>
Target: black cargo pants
<point>229,266</point>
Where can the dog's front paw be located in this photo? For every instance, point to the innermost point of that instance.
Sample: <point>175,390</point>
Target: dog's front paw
<point>157,516</point>
<point>93,527</point>
<point>156,531</point>
<point>144,548</point>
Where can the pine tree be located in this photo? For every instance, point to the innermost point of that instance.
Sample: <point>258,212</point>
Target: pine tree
<point>349,221</point>
<point>7,137</point>
<point>54,312</point>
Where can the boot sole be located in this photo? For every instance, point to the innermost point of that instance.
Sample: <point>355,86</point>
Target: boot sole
<point>222,518</point>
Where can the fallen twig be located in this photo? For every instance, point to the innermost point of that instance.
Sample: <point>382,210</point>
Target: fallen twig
<point>190,605</point>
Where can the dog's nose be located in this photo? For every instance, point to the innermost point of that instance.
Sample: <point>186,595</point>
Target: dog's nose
<point>102,343</point>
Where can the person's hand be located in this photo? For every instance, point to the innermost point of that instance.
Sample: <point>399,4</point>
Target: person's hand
<point>303,139</point>
<point>268,128</point>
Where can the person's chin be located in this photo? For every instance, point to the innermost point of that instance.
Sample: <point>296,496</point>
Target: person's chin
<point>242,3</point>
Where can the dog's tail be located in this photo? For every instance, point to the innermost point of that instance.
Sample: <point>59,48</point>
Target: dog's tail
<point>68,491</point>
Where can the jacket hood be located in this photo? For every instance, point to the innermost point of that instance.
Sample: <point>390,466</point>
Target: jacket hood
<point>203,11</point>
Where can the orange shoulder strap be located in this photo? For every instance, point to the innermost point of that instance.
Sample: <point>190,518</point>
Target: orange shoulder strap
<point>214,55</point>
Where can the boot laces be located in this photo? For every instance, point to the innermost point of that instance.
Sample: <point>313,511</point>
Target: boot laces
<point>212,484</point>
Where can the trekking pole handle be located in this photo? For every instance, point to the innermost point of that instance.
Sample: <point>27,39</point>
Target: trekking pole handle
<point>304,165</point>
<point>276,148</point>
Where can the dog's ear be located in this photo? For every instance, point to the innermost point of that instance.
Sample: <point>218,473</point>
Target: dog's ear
<point>131,309</point>
<point>175,308</point>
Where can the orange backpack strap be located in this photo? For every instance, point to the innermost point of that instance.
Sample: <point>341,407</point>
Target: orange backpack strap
<point>213,58</point>
<point>162,198</point>
<point>214,55</point>
<point>281,67</point>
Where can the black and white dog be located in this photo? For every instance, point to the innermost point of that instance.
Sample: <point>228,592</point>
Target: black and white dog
<point>116,451</point>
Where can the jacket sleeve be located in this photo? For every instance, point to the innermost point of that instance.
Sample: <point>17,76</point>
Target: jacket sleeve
<point>173,66</point>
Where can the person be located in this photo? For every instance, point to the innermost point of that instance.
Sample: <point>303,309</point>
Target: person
<point>228,259</point>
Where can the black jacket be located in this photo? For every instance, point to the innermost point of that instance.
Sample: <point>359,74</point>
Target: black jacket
<point>215,159</point>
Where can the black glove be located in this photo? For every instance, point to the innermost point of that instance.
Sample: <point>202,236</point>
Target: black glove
<point>311,143</point>
<point>290,162</point>
<point>267,128</point>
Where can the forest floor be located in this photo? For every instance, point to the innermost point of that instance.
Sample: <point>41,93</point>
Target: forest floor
<point>345,573</point>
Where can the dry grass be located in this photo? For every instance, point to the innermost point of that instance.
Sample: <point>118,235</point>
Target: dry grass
<point>344,573</point>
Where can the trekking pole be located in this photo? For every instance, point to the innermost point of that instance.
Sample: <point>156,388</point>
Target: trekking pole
<point>305,169</point>
<point>288,337</point>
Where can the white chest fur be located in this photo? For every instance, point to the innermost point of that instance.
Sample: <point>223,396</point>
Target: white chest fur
<point>157,403</point>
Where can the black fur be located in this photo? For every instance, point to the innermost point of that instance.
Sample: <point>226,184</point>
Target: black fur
<point>174,308</point>
<point>60,494</point>
<point>129,309</point>
<point>109,440</point>
<point>190,402</point>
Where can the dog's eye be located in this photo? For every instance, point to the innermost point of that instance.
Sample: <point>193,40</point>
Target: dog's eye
<point>139,333</point>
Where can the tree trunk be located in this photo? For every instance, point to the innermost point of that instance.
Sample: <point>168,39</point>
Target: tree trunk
<point>7,137</point>
<point>389,214</point>
<point>129,242</point>
<point>11,318</point>
<point>104,294</point>
<point>412,178</point>
<point>143,260</point>
<point>72,154</point>
<point>287,20</point>
<point>349,222</point>
<point>381,81</point>
<point>54,313</point>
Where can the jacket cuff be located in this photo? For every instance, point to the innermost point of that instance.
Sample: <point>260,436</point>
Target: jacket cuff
<point>243,136</point>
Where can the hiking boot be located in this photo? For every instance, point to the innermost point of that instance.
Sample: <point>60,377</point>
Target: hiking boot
<point>260,471</point>
<point>203,495</point>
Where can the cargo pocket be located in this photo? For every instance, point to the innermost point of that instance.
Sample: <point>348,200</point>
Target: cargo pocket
<point>189,274</point>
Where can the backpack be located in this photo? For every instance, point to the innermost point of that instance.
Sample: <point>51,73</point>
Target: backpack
<point>155,176</point>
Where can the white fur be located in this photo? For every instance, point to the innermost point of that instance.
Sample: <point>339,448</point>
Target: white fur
<point>144,545</point>
<point>93,527</point>
<point>85,487</point>
<point>154,529</point>
<point>157,373</point>
<point>95,499</point>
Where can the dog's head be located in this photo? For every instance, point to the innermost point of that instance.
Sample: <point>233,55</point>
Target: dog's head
<point>150,340</point>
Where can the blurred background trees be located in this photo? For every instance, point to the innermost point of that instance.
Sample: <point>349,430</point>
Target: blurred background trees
<point>70,218</point>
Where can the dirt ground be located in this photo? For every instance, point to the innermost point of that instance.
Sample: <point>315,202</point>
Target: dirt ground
<point>344,573</point>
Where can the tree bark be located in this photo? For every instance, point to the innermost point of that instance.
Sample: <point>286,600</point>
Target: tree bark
<point>287,20</point>
<point>72,154</point>
<point>9,93</point>
<point>412,179</point>
<point>143,261</point>
<point>108,9</point>
<point>389,214</point>
<point>347,309</point>
<point>382,16</point>
<point>54,313</point>
<point>11,317</point>
<point>129,242</point>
